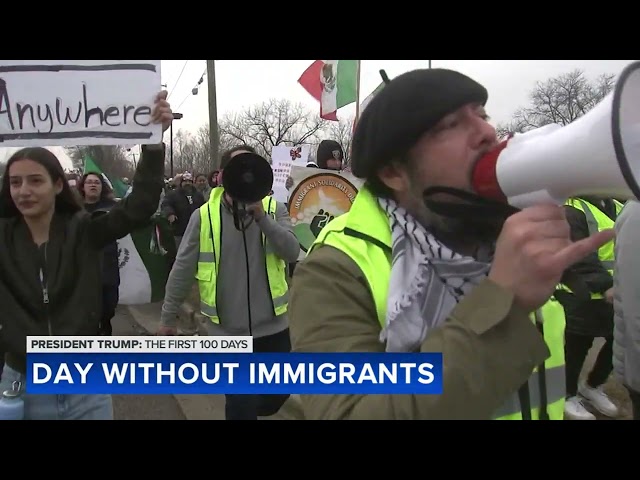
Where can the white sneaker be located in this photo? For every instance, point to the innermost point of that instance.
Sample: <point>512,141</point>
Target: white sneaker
<point>574,409</point>
<point>599,400</point>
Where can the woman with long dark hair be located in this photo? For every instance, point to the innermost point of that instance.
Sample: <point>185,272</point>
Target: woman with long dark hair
<point>98,199</point>
<point>50,261</point>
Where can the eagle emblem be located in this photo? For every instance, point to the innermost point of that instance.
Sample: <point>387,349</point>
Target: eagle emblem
<point>328,77</point>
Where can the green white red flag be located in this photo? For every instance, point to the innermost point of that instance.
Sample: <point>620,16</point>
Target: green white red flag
<point>333,83</point>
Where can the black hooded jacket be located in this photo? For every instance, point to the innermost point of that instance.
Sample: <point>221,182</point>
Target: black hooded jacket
<point>182,204</point>
<point>592,317</point>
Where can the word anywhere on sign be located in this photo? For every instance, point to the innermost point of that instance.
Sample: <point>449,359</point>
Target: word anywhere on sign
<point>82,102</point>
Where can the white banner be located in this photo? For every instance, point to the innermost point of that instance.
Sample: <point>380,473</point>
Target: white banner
<point>283,158</point>
<point>316,197</point>
<point>78,102</point>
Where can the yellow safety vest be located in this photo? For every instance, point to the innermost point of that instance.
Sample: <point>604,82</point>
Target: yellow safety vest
<point>364,234</point>
<point>597,221</point>
<point>209,259</point>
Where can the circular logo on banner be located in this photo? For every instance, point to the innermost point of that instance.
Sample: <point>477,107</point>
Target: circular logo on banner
<point>316,201</point>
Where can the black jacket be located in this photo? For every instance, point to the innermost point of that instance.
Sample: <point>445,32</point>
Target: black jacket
<point>73,266</point>
<point>591,317</point>
<point>110,263</point>
<point>177,202</point>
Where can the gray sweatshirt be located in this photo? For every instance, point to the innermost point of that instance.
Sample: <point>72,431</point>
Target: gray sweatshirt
<point>626,297</point>
<point>232,273</point>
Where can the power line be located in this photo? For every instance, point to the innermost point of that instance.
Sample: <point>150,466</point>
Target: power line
<point>194,90</point>
<point>179,76</point>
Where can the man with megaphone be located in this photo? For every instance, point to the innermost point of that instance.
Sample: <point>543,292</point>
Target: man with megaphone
<point>422,263</point>
<point>237,246</point>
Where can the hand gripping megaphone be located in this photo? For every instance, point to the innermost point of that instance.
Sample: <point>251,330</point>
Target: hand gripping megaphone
<point>596,155</point>
<point>247,179</point>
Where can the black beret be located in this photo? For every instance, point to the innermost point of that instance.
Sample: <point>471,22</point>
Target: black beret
<point>404,110</point>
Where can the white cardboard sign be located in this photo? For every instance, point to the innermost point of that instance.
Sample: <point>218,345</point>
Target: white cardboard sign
<point>282,159</point>
<point>78,102</point>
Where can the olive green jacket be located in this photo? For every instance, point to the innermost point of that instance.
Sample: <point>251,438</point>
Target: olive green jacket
<point>489,344</point>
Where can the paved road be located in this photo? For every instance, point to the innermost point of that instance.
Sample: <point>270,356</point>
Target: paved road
<point>199,407</point>
<point>141,407</point>
<point>613,388</point>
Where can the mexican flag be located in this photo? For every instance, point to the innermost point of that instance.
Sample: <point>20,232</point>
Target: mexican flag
<point>145,258</point>
<point>333,83</point>
<point>145,255</point>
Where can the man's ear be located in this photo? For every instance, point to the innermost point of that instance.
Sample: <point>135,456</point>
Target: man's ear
<point>395,177</point>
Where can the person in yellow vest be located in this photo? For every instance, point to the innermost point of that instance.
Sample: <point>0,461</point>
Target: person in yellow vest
<point>242,292</point>
<point>590,317</point>
<point>401,273</point>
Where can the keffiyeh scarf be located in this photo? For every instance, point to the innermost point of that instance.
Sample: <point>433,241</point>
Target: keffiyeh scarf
<point>427,281</point>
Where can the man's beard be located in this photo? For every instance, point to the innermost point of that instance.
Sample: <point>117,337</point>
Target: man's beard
<point>466,219</point>
<point>478,230</point>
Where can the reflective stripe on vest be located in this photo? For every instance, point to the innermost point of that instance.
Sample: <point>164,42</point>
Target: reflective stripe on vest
<point>209,258</point>
<point>364,234</point>
<point>596,222</point>
<point>551,319</point>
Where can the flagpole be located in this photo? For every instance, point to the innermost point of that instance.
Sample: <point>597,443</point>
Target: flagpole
<point>358,91</point>
<point>82,158</point>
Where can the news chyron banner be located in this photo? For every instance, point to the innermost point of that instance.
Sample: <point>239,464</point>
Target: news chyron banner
<point>217,365</point>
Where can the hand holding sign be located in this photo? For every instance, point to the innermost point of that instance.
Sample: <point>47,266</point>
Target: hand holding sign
<point>162,111</point>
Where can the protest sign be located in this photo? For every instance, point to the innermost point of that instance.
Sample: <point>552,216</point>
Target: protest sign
<point>317,197</point>
<point>282,159</point>
<point>78,102</point>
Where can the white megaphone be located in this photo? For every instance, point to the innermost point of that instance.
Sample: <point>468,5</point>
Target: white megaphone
<point>596,155</point>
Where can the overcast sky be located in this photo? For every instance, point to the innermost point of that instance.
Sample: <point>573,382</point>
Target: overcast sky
<point>241,83</point>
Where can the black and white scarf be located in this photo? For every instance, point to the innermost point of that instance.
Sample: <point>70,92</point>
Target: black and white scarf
<point>427,281</point>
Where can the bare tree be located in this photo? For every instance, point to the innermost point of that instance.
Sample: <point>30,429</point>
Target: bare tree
<point>560,100</point>
<point>192,152</point>
<point>272,123</point>
<point>185,154</point>
<point>113,160</point>
<point>262,126</point>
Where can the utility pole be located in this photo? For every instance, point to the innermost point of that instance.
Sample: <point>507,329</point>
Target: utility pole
<point>213,114</point>
<point>176,116</point>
